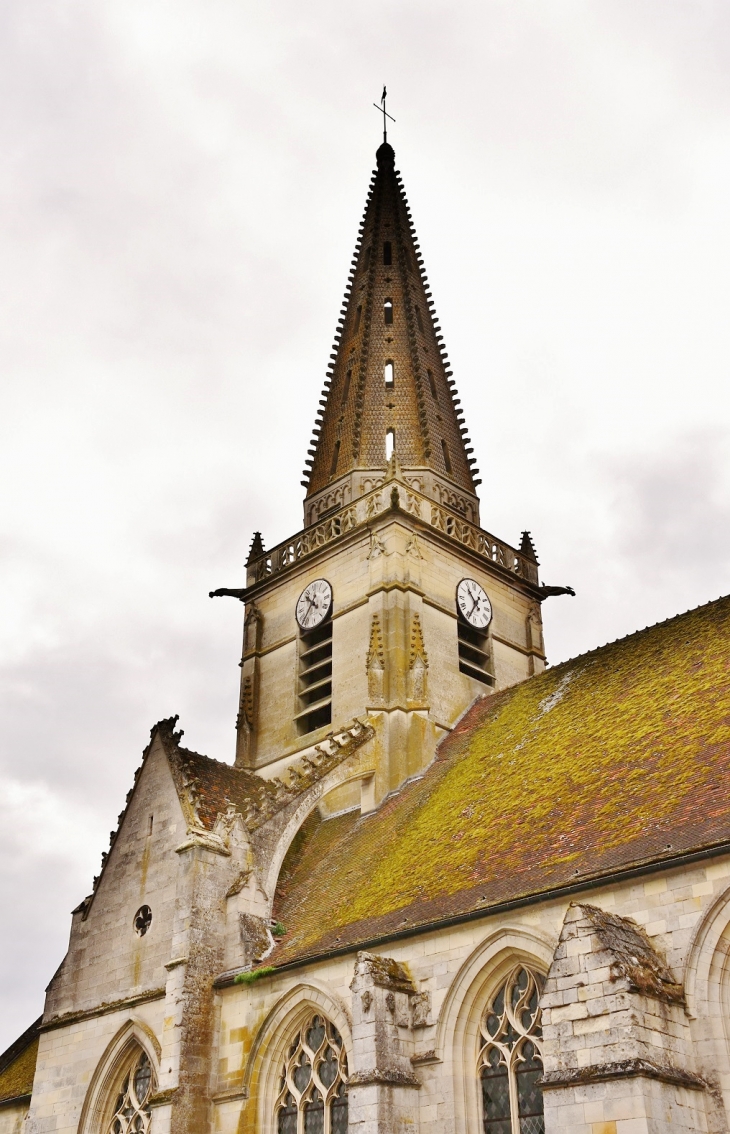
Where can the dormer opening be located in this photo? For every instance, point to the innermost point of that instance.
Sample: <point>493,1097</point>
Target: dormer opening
<point>432,384</point>
<point>419,319</point>
<point>388,311</point>
<point>387,252</point>
<point>389,375</point>
<point>389,444</point>
<point>346,390</point>
<point>474,652</point>
<point>447,457</point>
<point>358,317</point>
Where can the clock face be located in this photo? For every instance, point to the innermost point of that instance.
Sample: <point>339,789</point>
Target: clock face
<point>473,602</point>
<point>313,604</point>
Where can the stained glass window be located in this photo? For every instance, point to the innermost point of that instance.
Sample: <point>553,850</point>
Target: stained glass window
<point>312,1095</point>
<point>131,1109</point>
<point>510,1061</point>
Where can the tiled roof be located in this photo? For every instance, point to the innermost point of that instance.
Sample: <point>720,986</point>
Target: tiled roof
<point>211,788</point>
<point>208,788</point>
<point>17,1065</point>
<point>615,759</point>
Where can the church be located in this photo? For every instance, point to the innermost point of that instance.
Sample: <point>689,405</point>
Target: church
<point>442,889</point>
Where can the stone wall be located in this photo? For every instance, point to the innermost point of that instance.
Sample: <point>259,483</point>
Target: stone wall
<point>12,1117</point>
<point>635,1024</point>
<point>107,960</point>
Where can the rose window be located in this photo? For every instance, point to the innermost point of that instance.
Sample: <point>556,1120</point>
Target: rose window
<point>131,1110</point>
<point>313,1088</point>
<point>510,1060</point>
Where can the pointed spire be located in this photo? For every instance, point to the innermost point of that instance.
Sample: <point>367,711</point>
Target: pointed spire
<point>527,547</point>
<point>389,373</point>
<point>256,550</point>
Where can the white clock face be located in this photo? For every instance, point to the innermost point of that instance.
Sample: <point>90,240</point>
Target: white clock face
<point>474,604</point>
<point>314,603</point>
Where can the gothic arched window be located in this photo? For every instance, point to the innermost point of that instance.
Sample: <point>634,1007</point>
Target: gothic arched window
<point>312,1095</point>
<point>510,1060</point>
<point>131,1108</point>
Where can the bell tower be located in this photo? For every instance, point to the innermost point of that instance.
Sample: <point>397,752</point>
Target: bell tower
<point>392,604</point>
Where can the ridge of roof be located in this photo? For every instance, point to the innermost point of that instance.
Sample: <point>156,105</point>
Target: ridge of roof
<point>635,633</point>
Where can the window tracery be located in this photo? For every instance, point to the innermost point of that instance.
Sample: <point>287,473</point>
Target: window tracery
<point>312,1095</point>
<point>131,1109</point>
<point>510,1058</point>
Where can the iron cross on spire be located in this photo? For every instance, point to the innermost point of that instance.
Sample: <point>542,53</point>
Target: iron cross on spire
<point>385,114</point>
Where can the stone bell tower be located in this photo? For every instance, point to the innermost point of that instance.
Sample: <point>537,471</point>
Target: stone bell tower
<point>392,604</point>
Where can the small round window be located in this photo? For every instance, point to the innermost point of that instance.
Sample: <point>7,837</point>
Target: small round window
<point>142,920</point>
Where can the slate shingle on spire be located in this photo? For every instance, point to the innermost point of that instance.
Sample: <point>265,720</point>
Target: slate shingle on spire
<point>389,372</point>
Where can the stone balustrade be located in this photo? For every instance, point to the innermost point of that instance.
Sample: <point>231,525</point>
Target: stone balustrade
<point>372,504</point>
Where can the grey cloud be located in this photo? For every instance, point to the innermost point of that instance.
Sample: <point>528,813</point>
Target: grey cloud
<point>673,510</point>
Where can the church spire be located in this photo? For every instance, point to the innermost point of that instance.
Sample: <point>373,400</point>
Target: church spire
<point>389,387</point>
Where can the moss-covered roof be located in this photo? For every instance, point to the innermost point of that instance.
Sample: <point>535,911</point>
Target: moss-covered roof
<point>17,1065</point>
<point>617,758</point>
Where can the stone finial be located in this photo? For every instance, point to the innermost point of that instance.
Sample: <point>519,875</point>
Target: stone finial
<point>257,549</point>
<point>393,470</point>
<point>527,547</point>
<point>375,663</point>
<point>417,665</point>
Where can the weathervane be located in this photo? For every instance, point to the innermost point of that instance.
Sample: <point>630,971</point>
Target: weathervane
<point>385,114</point>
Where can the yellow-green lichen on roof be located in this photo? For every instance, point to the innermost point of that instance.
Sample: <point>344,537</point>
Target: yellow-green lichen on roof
<point>17,1065</point>
<point>614,759</point>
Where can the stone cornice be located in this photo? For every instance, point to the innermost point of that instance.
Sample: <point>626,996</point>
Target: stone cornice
<point>163,1098</point>
<point>66,1018</point>
<point>16,1100</point>
<point>392,1076</point>
<point>626,1069</point>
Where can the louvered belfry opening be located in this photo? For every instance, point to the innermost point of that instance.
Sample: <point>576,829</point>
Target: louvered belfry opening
<point>315,678</point>
<point>388,327</point>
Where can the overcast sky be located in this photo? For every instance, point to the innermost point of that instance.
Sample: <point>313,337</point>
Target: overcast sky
<point>181,187</point>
